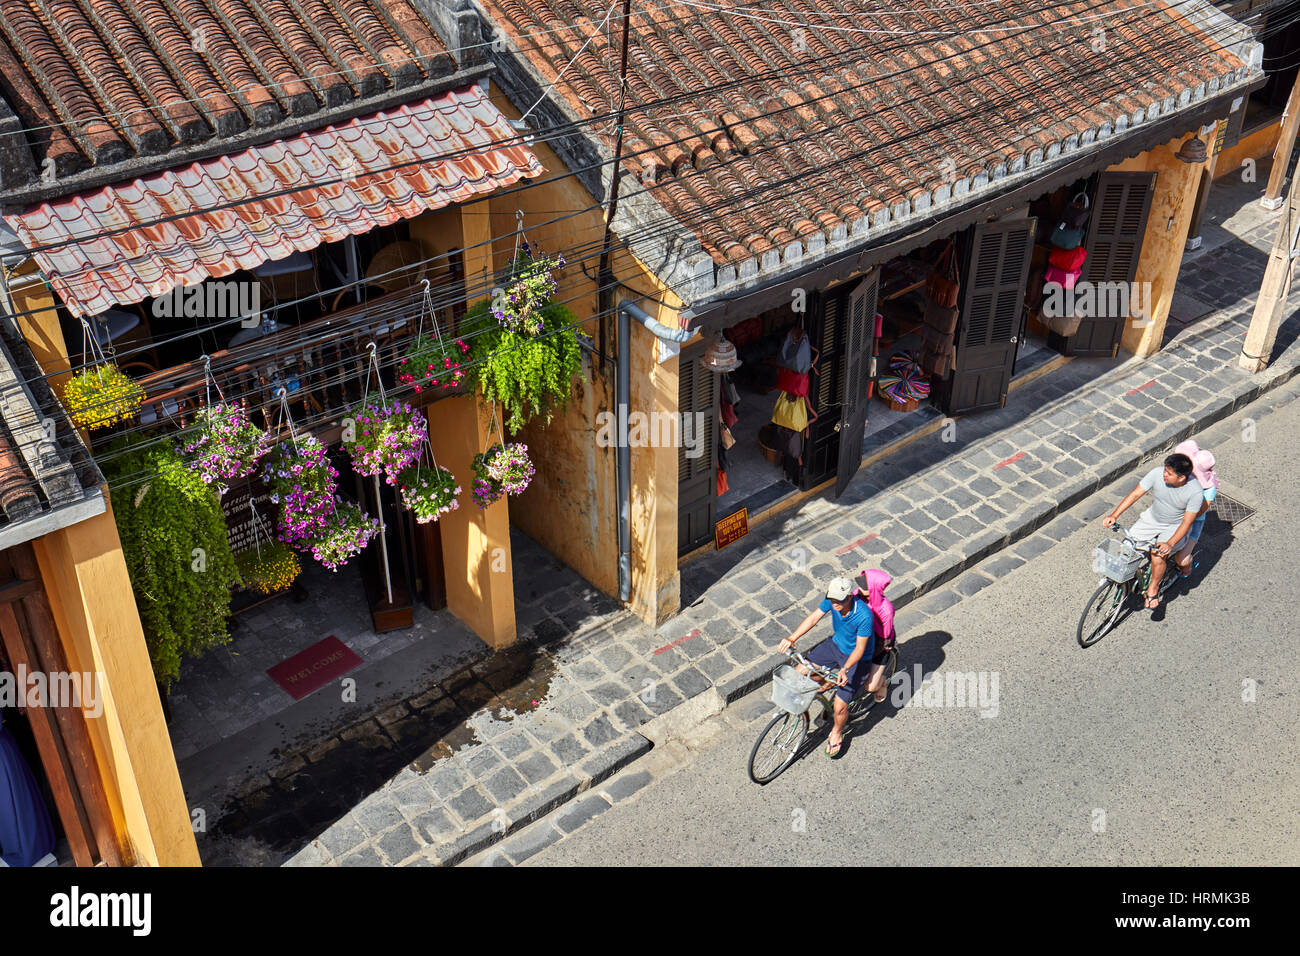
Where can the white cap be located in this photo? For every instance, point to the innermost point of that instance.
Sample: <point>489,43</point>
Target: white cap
<point>839,589</point>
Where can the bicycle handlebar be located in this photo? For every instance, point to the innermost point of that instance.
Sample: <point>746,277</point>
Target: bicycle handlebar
<point>816,668</point>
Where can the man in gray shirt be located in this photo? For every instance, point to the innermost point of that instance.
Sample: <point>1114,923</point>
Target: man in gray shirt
<point>1165,524</point>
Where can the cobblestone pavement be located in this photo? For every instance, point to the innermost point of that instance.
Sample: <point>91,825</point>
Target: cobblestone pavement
<point>925,514</point>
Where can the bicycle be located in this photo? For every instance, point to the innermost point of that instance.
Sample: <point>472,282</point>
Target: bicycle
<point>1126,575</point>
<point>779,743</point>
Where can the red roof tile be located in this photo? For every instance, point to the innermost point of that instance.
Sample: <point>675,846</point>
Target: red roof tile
<point>104,81</point>
<point>443,149</point>
<point>885,100</point>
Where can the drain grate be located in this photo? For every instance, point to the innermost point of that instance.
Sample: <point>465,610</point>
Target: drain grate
<point>1224,515</point>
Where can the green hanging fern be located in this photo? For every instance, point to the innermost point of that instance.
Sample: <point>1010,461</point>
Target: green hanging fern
<point>173,535</point>
<point>529,376</point>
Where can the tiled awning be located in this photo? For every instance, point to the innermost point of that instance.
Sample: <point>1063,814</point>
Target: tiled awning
<point>420,156</point>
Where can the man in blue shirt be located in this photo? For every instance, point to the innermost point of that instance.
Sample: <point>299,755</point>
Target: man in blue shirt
<point>849,649</point>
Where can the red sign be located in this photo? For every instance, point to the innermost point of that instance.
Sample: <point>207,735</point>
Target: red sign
<point>731,528</point>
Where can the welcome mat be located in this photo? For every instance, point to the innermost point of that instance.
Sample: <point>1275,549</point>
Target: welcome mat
<point>312,669</point>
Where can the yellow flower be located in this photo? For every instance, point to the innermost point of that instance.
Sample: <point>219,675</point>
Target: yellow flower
<point>101,397</point>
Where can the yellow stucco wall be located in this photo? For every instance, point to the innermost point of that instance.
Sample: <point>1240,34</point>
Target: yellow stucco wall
<point>1256,146</point>
<point>478,567</point>
<point>1163,242</point>
<point>90,596</point>
<point>571,507</point>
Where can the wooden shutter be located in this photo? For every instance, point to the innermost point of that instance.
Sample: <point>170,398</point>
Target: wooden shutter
<point>826,388</point>
<point>697,393</point>
<point>858,336</point>
<point>1119,220</point>
<point>993,298</point>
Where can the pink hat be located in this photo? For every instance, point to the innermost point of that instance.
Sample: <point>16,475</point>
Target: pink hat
<point>1187,448</point>
<point>1203,468</point>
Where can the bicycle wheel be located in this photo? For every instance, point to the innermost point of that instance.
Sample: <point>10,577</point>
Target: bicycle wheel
<point>1101,613</point>
<point>777,746</point>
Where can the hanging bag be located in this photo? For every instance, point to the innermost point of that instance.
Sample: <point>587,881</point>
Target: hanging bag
<point>1065,279</point>
<point>1068,259</point>
<point>939,318</point>
<point>790,412</point>
<point>943,283</point>
<point>796,351</point>
<point>1076,214</point>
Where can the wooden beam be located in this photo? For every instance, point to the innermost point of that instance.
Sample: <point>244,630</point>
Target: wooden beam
<point>42,651</point>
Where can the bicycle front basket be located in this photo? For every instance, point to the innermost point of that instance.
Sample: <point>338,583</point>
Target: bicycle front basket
<point>1110,560</point>
<point>792,691</point>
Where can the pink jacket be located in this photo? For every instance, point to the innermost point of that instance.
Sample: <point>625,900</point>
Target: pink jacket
<point>882,609</point>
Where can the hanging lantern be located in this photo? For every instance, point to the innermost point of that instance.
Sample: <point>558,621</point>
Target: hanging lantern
<point>721,356</point>
<point>1192,151</point>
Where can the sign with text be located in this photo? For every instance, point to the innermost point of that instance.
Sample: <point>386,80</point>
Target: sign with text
<point>731,528</point>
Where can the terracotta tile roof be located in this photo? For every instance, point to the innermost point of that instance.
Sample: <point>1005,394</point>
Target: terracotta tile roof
<point>104,81</point>
<point>890,106</point>
<point>442,149</point>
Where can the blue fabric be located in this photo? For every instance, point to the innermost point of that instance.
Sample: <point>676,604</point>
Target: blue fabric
<point>826,654</point>
<point>847,629</point>
<point>1199,523</point>
<point>26,833</point>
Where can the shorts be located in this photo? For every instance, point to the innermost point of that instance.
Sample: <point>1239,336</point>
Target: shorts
<point>826,654</point>
<point>1145,530</point>
<point>881,655</point>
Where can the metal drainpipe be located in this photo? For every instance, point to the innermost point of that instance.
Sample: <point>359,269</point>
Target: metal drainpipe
<point>626,312</point>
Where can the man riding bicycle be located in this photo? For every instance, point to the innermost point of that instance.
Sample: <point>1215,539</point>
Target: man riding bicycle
<point>1166,523</point>
<point>849,650</point>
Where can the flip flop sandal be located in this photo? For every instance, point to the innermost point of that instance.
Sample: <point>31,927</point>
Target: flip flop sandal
<point>1153,603</point>
<point>836,751</point>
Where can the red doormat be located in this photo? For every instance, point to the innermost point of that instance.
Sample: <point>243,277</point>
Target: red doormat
<point>315,667</point>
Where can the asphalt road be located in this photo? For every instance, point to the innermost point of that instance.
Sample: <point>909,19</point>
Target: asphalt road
<point>1139,750</point>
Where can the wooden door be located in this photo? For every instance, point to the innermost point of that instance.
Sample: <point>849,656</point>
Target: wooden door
<point>825,387</point>
<point>1121,206</point>
<point>993,292</point>
<point>859,326</point>
<point>697,401</point>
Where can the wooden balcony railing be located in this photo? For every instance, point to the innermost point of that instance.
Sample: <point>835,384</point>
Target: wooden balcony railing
<point>322,364</point>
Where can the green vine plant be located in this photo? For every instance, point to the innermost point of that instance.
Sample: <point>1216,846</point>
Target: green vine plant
<point>173,535</point>
<point>529,376</point>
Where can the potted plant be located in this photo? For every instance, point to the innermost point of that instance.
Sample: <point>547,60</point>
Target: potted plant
<point>386,439</point>
<point>433,362</point>
<point>313,517</point>
<point>529,376</point>
<point>501,470</point>
<point>102,396</point>
<point>348,534</point>
<point>268,567</point>
<point>302,483</point>
<point>227,445</point>
<point>530,283</point>
<point>428,493</point>
<point>177,552</point>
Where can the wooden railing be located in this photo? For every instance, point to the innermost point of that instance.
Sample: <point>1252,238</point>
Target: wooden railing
<point>322,365</point>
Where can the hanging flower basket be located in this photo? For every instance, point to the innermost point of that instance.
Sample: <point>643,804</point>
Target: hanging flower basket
<point>530,283</point>
<point>350,531</point>
<point>227,445</point>
<point>428,492</point>
<point>101,397</point>
<point>501,470</point>
<point>387,439</point>
<point>302,483</point>
<point>433,363</point>
<point>268,568</point>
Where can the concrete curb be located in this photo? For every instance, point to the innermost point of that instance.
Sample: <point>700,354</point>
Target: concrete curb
<point>970,553</point>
